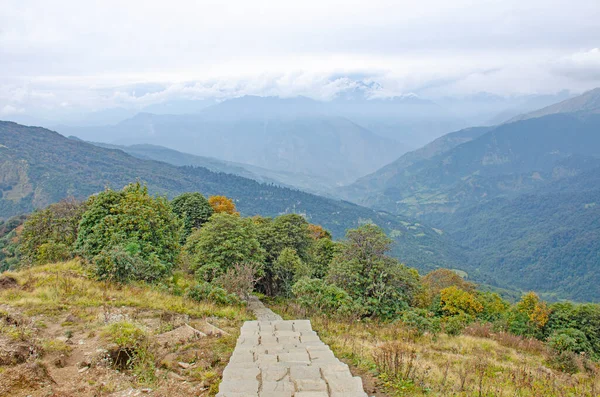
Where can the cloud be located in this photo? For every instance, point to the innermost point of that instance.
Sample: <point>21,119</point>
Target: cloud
<point>583,66</point>
<point>10,110</point>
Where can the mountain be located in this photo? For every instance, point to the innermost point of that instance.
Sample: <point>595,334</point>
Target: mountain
<point>294,135</point>
<point>39,166</point>
<point>160,153</point>
<point>587,103</point>
<point>408,119</point>
<point>363,188</point>
<point>548,241</point>
<point>505,161</point>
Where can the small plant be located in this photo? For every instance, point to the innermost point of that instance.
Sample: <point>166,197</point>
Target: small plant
<point>204,291</point>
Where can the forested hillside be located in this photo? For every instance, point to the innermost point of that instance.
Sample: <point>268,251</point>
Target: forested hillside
<point>42,167</point>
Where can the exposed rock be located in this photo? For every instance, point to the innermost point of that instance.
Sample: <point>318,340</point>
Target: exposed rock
<point>183,334</point>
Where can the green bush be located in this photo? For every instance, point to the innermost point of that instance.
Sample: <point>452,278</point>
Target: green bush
<point>421,321</point>
<point>570,339</point>
<point>287,269</point>
<point>455,325</point>
<point>52,230</point>
<point>142,225</point>
<point>222,242</point>
<point>123,264</point>
<point>52,252</point>
<point>193,209</point>
<point>317,295</point>
<point>381,285</point>
<point>204,291</point>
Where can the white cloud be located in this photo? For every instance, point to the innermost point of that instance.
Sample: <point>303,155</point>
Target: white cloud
<point>10,110</point>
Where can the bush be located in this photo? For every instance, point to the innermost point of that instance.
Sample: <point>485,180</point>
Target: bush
<point>565,361</point>
<point>455,325</point>
<point>240,279</point>
<point>570,339</point>
<point>222,242</point>
<point>123,264</point>
<point>53,230</point>
<point>145,226</point>
<point>287,269</point>
<point>317,295</point>
<point>381,285</point>
<point>204,291</point>
<point>52,252</point>
<point>193,209</point>
<point>421,321</point>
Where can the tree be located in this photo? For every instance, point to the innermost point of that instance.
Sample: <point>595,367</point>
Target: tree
<point>321,254</point>
<point>50,234</point>
<point>132,221</point>
<point>439,279</point>
<point>222,204</point>
<point>223,241</point>
<point>285,231</point>
<point>317,232</point>
<point>382,285</point>
<point>455,301</point>
<point>193,209</point>
<point>287,269</point>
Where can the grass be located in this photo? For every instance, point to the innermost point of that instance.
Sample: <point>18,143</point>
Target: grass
<point>63,300</point>
<point>56,287</point>
<point>407,364</point>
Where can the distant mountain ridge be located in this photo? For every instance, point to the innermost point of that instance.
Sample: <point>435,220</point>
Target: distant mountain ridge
<point>289,135</point>
<point>585,104</point>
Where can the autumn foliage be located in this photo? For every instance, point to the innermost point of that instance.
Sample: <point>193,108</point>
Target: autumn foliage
<point>222,204</point>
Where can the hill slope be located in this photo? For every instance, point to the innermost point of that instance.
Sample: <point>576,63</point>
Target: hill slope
<point>587,103</point>
<point>507,160</point>
<point>40,167</point>
<point>291,135</point>
<point>305,182</point>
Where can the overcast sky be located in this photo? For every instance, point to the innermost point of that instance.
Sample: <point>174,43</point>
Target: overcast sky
<point>91,54</point>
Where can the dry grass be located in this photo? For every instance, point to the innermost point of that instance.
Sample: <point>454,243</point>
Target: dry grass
<point>56,287</point>
<point>479,364</point>
<point>55,308</point>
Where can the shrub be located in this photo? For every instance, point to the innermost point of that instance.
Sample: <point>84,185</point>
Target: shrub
<point>379,284</point>
<point>287,269</point>
<point>421,321</point>
<point>146,226</point>
<point>193,209</point>
<point>240,279</point>
<point>57,225</point>
<point>123,264</point>
<point>52,252</point>
<point>455,325</point>
<point>570,339</point>
<point>456,301</point>
<point>222,242</point>
<point>317,295</point>
<point>204,291</point>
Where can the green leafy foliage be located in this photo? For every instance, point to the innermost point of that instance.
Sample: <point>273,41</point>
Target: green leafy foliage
<point>223,241</point>
<point>50,234</point>
<point>316,295</point>
<point>204,291</point>
<point>287,269</point>
<point>142,225</point>
<point>194,209</point>
<point>380,284</point>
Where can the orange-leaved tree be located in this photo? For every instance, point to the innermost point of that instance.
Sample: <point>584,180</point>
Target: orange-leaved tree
<point>222,204</point>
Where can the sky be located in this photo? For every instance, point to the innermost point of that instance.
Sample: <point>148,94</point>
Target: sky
<point>64,56</point>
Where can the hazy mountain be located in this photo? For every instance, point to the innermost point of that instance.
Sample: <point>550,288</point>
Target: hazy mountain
<point>38,167</point>
<point>507,160</point>
<point>587,103</point>
<point>292,135</point>
<point>409,120</point>
<point>263,175</point>
<point>373,184</point>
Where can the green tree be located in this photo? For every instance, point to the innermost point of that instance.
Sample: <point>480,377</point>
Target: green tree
<point>380,284</point>
<point>131,220</point>
<point>194,209</point>
<point>321,253</point>
<point>223,241</point>
<point>287,269</point>
<point>50,234</point>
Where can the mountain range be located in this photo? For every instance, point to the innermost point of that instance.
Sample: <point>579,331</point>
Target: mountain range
<point>521,198</point>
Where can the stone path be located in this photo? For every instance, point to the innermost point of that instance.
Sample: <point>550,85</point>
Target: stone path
<point>276,358</point>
